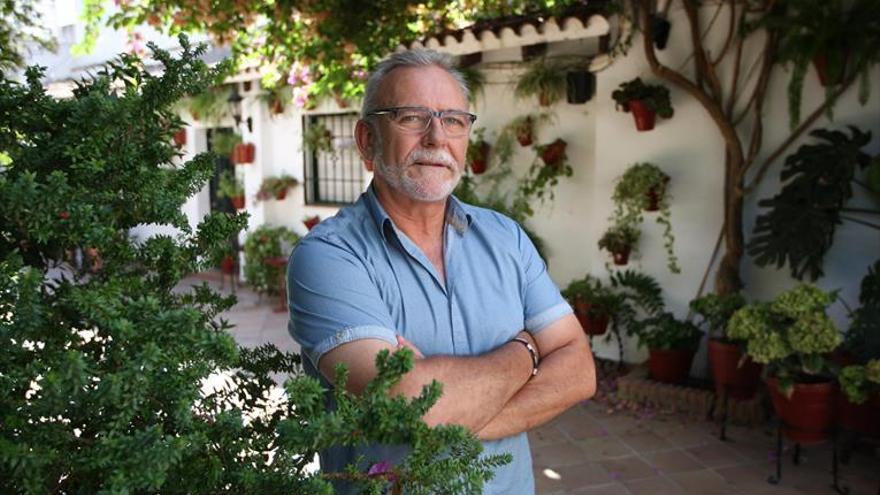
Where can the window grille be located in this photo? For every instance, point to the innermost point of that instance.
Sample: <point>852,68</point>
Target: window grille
<point>335,177</point>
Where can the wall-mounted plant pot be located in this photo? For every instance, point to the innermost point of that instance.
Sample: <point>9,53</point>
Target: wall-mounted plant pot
<point>244,153</point>
<point>554,153</point>
<point>277,107</point>
<point>670,365</point>
<point>544,99</point>
<point>237,202</point>
<point>580,86</point>
<point>312,221</point>
<point>621,258</point>
<point>808,414</point>
<point>480,160</point>
<point>280,195</point>
<point>525,138</point>
<point>180,138</point>
<point>643,115</point>
<point>592,325</point>
<point>655,195</point>
<point>660,28</point>
<point>739,381</point>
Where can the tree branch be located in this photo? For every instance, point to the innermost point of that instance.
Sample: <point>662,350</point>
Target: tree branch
<point>806,124</point>
<point>704,70</point>
<point>731,28</point>
<point>759,92</point>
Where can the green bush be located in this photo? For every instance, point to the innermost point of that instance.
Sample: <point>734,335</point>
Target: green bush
<point>105,375</point>
<point>263,243</point>
<point>664,331</point>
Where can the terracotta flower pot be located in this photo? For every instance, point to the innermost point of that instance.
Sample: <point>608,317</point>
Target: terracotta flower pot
<point>544,99</point>
<point>480,161</point>
<point>860,418</point>
<point>227,265</point>
<point>277,107</point>
<point>654,197</point>
<point>643,115</point>
<point>237,202</point>
<point>180,138</point>
<point>621,258</point>
<point>243,153</point>
<point>670,365</point>
<point>524,133</point>
<point>554,153</point>
<point>280,195</point>
<point>592,325</point>
<point>311,222</point>
<point>808,414</point>
<point>741,382</point>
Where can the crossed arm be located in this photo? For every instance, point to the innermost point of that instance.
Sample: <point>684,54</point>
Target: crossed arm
<point>494,394</point>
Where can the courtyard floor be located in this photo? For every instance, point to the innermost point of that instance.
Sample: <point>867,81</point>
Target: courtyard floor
<point>597,449</point>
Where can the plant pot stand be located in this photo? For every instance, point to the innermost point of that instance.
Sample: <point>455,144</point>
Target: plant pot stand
<point>775,479</point>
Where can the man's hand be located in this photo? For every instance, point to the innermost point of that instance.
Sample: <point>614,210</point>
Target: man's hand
<point>403,343</point>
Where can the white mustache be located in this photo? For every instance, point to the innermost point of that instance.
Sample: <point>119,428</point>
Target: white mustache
<point>431,156</point>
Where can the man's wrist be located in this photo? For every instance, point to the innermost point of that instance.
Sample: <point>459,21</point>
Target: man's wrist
<point>533,353</point>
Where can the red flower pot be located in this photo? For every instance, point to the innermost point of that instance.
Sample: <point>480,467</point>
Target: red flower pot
<point>808,415</point>
<point>280,195</point>
<point>741,382</point>
<point>312,221</point>
<point>670,365</point>
<point>227,265</point>
<point>860,418</point>
<point>277,107</point>
<point>592,325</point>
<point>243,153</point>
<point>554,153</point>
<point>654,197</point>
<point>621,258</point>
<point>525,138</point>
<point>180,138</point>
<point>643,115</point>
<point>480,161</point>
<point>237,202</point>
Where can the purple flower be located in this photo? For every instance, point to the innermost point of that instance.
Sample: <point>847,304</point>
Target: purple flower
<point>382,468</point>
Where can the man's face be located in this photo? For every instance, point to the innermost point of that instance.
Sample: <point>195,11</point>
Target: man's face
<point>421,166</point>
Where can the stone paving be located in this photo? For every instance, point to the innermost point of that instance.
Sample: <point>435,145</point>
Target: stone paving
<point>589,450</point>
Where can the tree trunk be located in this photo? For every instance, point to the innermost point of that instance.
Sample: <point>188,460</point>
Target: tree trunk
<point>727,278</point>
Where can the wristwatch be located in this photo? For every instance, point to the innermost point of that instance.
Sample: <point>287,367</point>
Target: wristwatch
<point>532,351</point>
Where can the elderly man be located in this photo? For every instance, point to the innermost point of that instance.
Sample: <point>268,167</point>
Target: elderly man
<point>410,265</point>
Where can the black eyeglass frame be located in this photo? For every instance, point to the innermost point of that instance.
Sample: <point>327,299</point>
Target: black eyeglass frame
<point>434,113</point>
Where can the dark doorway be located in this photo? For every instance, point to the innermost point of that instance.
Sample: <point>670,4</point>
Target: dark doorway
<point>222,164</point>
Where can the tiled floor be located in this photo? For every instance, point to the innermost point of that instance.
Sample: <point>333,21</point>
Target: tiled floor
<point>588,450</point>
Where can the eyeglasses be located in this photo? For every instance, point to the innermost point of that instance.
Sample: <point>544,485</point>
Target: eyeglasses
<point>417,119</point>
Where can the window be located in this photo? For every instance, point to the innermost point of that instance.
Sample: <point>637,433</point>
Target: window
<point>337,176</point>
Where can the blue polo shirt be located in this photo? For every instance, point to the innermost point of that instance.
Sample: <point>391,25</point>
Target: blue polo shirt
<point>357,276</point>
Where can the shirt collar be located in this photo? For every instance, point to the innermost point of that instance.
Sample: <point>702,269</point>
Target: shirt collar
<point>456,215</point>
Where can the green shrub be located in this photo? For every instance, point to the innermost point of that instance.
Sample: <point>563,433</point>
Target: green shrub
<point>263,243</point>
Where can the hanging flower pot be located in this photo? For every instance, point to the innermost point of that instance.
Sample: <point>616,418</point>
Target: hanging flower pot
<point>243,153</point>
<point>655,195</point>
<point>643,115</point>
<point>277,107</point>
<point>554,153</point>
<point>227,265</point>
<point>593,322</point>
<point>740,381</point>
<point>180,138</point>
<point>480,158</point>
<point>808,414</point>
<point>237,202</point>
<point>280,195</point>
<point>670,365</point>
<point>525,132</point>
<point>621,257</point>
<point>312,221</point>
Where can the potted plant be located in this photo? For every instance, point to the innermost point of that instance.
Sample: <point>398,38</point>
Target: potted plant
<point>262,245</point>
<point>243,153</point>
<point>619,240</point>
<point>475,80</point>
<point>545,79</point>
<point>223,143</point>
<point>276,187</point>
<point>231,187</point>
<point>318,138</point>
<point>645,101</point>
<point>555,164</point>
<point>180,138</point>
<point>791,336</point>
<point>276,98</point>
<point>522,129</point>
<point>593,303</point>
<point>478,152</point>
<point>643,187</point>
<point>211,105</point>
<point>671,346</point>
<point>734,372</point>
<point>859,407</point>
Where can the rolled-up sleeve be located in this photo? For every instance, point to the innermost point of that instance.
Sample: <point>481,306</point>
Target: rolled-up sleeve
<point>542,302</point>
<point>332,299</point>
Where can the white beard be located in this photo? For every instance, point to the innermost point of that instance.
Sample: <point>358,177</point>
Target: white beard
<point>421,183</point>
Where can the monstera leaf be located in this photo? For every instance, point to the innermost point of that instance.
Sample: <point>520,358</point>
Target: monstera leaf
<point>798,227</point>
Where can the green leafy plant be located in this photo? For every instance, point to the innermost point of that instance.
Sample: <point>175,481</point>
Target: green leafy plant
<point>640,296</point>
<point>716,310</point>
<point>229,185</point>
<point>862,339</point>
<point>664,331</point>
<point>276,98</point>
<point>223,143</point>
<point>860,382</point>
<point>544,78</point>
<point>654,96</point>
<point>643,187</point>
<point>544,174</point>
<point>799,226</point>
<point>263,243</point>
<point>318,138</point>
<point>824,32</point>
<point>619,238</point>
<point>589,290</point>
<point>273,187</point>
<point>791,334</point>
<point>475,81</point>
<point>210,105</point>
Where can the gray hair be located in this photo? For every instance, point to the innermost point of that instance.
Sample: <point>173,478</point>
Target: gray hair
<point>411,58</point>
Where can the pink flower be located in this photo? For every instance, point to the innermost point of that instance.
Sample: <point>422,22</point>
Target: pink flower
<point>300,96</point>
<point>383,468</point>
<point>300,75</point>
<point>360,74</point>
